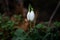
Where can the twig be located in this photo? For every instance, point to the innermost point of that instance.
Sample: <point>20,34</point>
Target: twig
<point>7,5</point>
<point>54,12</point>
<point>46,36</point>
<point>36,14</point>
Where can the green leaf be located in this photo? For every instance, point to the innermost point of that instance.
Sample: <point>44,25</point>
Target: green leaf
<point>39,26</point>
<point>19,32</point>
<point>57,24</point>
<point>11,23</point>
<point>1,33</point>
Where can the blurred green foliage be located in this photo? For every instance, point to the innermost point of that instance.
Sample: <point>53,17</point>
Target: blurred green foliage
<point>40,32</point>
<point>57,24</point>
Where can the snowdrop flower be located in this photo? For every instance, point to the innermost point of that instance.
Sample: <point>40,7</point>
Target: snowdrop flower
<point>30,15</point>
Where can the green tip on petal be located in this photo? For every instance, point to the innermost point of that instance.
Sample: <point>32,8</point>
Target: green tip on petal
<point>30,8</point>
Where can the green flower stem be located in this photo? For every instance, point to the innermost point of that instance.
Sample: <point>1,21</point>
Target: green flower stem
<point>29,7</point>
<point>30,25</point>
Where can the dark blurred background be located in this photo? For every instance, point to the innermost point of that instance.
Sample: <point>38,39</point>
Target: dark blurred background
<point>45,8</point>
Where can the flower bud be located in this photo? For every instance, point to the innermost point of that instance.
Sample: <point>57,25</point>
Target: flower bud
<point>30,15</point>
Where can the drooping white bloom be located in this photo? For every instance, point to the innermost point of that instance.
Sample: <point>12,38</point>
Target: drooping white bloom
<point>30,15</point>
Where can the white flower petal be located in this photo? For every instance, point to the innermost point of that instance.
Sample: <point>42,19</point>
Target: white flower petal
<point>32,15</point>
<point>28,16</point>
